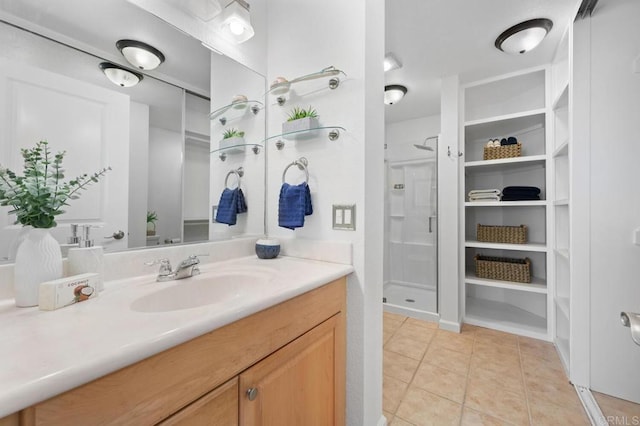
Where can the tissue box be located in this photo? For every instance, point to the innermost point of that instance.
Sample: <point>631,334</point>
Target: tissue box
<point>67,291</point>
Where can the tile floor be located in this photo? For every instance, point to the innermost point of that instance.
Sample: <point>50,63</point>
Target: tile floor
<point>478,377</point>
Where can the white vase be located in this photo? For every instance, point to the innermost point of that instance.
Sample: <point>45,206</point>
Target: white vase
<point>22,235</point>
<point>302,128</point>
<point>38,259</point>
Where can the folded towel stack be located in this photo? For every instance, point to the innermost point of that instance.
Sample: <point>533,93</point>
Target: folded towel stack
<point>520,193</point>
<point>231,203</point>
<point>294,204</point>
<point>485,195</point>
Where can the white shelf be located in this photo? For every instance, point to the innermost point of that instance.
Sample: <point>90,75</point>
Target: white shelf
<point>537,285</point>
<point>504,317</point>
<point>529,159</point>
<point>505,203</point>
<point>564,253</point>
<point>562,347</point>
<point>501,246</point>
<point>396,216</point>
<point>561,202</point>
<point>505,117</point>
<point>412,243</point>
<point>562,101</point>
<point>562,149</point>
<point>563,306</point>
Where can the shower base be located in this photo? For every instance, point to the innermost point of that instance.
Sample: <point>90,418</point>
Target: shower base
<point>412,300</point>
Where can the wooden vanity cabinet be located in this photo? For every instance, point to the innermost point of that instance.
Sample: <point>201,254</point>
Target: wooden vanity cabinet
<point>292,355</point>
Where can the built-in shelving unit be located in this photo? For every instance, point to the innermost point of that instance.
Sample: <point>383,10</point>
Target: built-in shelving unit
<point>512,105</point>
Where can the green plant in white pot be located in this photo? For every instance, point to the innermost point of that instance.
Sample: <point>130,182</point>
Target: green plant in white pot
<point>299,120</point>
<point>36,199</point>
<point>232,140</point>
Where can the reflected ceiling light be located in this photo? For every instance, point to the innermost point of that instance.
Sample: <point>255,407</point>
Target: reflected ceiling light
<point>205,10</point>
<point>524,36</point>
<point>140,54</point>
<point>120,76</point>
<point>393,93</point>
<point>391,62</point>
<point>235,22</point>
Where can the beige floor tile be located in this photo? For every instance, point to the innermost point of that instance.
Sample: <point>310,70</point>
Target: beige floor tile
<point>422,323</point>
<point>453,341</point>
<point>619,408</point>
<point>391,325</point>
<point>416,332</point>
<point>540,389</point>
<point>495,360</point>
<point>392,392</point>
<point>547,414</point>
<point>494,337</point>
<point>399,366</point>
<point>490,352</point>
<point>424,408</point>
<point>441,382</point>
<point>539,348</point>
<point>388,416</point>
<point>475,418</point>
<point>535,367</point>
<point>394,317</point>
<point>386,335</point>
<point>498,374</point>
<point>397,421</point>
<point>469,329</point>
<point>407,346</point>
<point>496,401</point>
<point>457,362</point>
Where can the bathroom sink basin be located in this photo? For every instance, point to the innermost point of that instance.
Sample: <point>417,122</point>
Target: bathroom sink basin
<point>203,290</point>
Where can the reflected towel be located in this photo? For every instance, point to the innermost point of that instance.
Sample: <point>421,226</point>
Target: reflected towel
<point>231,203</point>
<point>293,205</point>
<point>241,202</point>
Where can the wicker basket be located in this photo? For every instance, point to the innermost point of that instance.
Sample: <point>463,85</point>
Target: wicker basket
<point>502,234</point>
<point>503,151</point>
<point>503,268</point>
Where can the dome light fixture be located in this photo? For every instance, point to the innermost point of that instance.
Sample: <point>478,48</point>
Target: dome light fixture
<point>235,22</point>
<point>120,76</point>
<point>393,93</point>
<point>524,36</point>
<point>140,55</point>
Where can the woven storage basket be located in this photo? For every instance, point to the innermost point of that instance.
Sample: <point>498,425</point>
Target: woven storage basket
<point>504,151</point>
<point>502,234</point>
<point>503,268</point>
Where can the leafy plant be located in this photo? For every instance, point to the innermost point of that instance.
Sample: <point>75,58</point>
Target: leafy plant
<point>232,133</point>
<point>298,113</point>
<point>152,217</point>
<point>38,196</point>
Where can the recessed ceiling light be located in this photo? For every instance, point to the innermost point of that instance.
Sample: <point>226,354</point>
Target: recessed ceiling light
<point>391,62</point>
<point>393,93</point>
<point>524,36</point>
<point>120,76</point>
<point>140,54</point>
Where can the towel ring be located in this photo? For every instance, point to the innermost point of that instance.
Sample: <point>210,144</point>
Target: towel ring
<point>239,172</point>
<point>302,164</point>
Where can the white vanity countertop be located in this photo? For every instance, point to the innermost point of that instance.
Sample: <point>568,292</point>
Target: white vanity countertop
<point>45,353</point>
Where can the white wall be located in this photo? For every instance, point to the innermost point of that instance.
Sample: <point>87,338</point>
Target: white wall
<point>304,37</point>
<point>138,174</point>
<point>165,181</point>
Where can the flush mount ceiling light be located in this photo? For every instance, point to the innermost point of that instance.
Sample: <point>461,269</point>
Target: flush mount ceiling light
<point>391,62</point>
<point>120,76</point>
<point>393,93</point>
<point>140,54</point>
<point>524,36</point>
<point>235,22</point>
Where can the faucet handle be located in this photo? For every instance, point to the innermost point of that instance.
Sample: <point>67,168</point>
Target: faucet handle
<point>165,266</point>
<point>191,260</point>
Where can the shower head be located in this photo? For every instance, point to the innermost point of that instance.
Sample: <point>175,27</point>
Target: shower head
<point>420,146</point>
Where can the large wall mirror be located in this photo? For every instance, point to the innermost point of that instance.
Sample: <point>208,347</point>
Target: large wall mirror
<point>157,135</point>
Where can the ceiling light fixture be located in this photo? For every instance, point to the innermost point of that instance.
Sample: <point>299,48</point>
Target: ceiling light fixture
<point>524,36</point>
<point>235,22</point>
<point>140,54</point>
<point>393,93</point>
<point>205,10</point>
<point>391,62</point>
<point>120,76</point>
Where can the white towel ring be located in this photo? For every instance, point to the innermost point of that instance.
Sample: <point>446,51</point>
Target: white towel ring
<point>302,164</point>
<point>239,172</point>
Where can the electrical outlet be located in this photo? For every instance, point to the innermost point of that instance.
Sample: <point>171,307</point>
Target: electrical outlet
<point>344,217</point>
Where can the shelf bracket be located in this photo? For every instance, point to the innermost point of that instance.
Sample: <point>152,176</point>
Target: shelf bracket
<point>334,83</point>
<point>222,156</point>
<point>334,134</point>
<point>256,149</point>
<point>280,144</point>
<point>449,153</point>
<point>281,100</point>
<point>255,109</point>
<point>223,120</point>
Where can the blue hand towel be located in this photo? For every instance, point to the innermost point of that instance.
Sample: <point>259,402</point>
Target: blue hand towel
<point>294,204</point>
<point>241,202</point>
<point>228,207</point>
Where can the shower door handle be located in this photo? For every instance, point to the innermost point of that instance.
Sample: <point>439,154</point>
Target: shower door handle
<point>430,223</point>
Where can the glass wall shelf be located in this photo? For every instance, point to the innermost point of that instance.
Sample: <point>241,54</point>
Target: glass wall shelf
<point>284,87</point>
<point>334,133</point>
<point>255,147</point>
<point>235,110</point>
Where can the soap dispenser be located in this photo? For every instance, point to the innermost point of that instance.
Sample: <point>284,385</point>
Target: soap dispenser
<point>87,257</point>
<point>72,241</point>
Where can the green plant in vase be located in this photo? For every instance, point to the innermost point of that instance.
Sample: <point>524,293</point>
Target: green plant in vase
<point>300,120</point>
<point>297,113</point>
<point>232,133</point>
<point>152,217</point>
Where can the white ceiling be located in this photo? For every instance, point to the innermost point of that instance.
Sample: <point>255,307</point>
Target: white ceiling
<point>438,38</point>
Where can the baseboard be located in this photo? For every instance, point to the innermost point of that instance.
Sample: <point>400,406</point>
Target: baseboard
<point>450,326</point>
<point>382,421</point>
<point>591,406</point>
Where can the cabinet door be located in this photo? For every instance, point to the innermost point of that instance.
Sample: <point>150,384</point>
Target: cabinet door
<point>300,384</point>
<point>217,408</point>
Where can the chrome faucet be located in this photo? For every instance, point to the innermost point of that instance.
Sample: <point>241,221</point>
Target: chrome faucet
<point>185,269</point>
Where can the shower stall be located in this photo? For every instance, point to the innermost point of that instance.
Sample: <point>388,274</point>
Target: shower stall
<point>411,237</point>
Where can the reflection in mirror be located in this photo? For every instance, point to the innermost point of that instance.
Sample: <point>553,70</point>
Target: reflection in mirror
<point>155,136</point>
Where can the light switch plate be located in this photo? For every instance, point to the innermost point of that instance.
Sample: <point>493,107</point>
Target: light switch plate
<point>344,217</point>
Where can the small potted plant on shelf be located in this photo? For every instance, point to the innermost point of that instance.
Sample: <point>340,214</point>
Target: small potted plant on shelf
<point>232,140</point>
<point>300,119</point>
<point>152,217</point>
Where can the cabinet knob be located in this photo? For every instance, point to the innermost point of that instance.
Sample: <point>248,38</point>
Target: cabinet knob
<point>252,393</point>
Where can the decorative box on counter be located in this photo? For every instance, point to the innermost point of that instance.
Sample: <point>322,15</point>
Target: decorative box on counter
<point>503,268</point>
<point>502,234</point>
